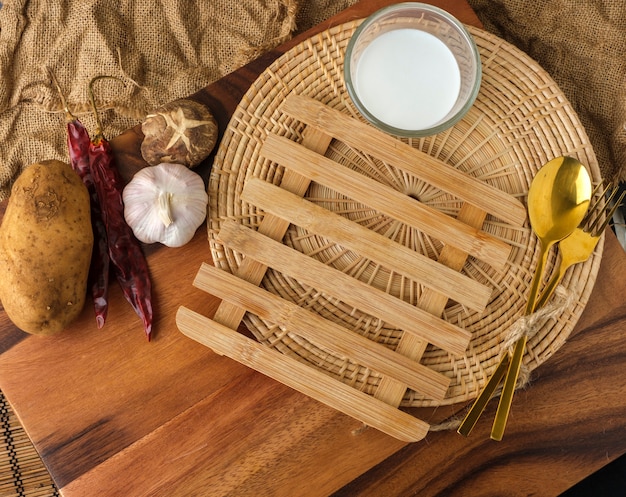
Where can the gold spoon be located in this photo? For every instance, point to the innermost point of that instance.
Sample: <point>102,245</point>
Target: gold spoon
<point>558,198</point>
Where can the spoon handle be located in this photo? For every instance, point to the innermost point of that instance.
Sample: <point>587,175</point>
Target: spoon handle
<point>504,405</point>
<point>551,286</point>
<point>483,398</point>
<point>537,278</point>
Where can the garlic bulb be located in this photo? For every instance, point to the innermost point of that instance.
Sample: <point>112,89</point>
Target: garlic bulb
<point>165,203</point>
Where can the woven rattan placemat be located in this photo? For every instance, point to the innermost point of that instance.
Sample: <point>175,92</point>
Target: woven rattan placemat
<point>22,471</point>
<point>520,121</point>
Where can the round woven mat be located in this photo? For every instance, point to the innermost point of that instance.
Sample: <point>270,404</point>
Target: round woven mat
<point>519,121</point>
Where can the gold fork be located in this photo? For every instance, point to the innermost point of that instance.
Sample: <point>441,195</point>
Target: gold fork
<point>579,246</point>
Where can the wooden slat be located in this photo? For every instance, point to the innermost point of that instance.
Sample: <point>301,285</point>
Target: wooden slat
<point>389,389</point>
<point>356,293</point>
<point>364,137</point>
<point>386,200</point>
<point>274,227</point>
<point>301,377</point>
<point>367,243</point>
<point>322,332</point>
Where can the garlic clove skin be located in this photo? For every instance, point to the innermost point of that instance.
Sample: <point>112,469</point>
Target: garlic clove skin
<point>166,204</point>
<point>165,208</point>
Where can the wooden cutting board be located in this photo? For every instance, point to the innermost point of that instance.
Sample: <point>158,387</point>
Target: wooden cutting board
<point>113,415</point>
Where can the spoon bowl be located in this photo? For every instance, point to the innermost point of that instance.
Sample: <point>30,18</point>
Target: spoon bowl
<point>558,199</point>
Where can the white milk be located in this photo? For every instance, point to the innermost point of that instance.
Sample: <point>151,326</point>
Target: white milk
<point>408,79</point>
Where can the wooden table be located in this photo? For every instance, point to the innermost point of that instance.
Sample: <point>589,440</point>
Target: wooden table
<point>113,415</point>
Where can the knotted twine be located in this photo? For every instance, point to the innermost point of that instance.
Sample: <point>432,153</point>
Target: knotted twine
<point>527,326</point>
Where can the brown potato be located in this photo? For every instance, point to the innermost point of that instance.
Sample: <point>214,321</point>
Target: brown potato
<point>45,248</point>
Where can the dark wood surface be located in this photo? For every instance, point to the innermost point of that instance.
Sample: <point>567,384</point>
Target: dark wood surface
<point>114,415</point>
<point>570,421</point>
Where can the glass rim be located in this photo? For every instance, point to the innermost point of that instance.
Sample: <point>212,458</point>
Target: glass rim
<point>442,125</point>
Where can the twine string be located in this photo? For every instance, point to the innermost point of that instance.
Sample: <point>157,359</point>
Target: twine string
<point>527,326</point>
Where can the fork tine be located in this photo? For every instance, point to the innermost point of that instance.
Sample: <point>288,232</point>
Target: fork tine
<point>597,225</point>
<point>609,215</point>
<point>598,207</point>
<point>594,203</point>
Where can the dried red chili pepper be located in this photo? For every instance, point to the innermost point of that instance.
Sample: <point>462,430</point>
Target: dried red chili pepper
<point>78,148</point>
<point>129,262</point>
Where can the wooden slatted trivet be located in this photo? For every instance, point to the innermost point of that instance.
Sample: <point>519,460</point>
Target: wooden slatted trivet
<point>422,324</point>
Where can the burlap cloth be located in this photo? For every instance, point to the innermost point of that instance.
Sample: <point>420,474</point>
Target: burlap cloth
<point>582,45</point>
<point>166,50</point>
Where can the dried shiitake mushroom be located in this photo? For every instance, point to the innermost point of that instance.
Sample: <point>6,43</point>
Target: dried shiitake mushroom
<point>182,132</point>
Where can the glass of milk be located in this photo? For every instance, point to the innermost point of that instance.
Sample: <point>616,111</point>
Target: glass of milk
<point>412,69</point>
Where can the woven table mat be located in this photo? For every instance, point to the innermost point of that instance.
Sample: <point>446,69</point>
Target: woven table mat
<point>520,121</point>
<point>23,473</point>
